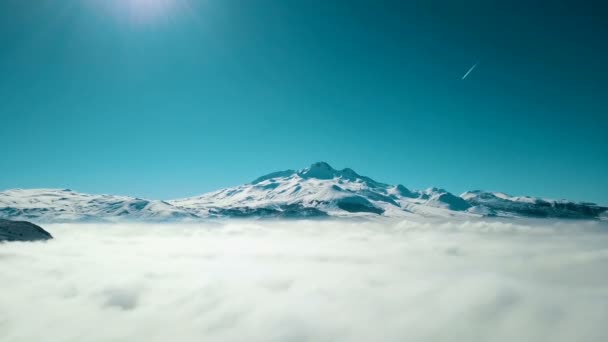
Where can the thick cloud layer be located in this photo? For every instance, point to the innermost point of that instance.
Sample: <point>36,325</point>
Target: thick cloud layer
<point>309,281</point>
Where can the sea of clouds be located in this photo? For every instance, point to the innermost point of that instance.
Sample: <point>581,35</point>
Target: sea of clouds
<point>486,280</point>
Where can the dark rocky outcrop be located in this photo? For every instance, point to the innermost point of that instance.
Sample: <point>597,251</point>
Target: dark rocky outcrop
<point>22,231</point>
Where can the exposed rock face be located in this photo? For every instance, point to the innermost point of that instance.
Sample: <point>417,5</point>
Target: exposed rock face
<point>22,231</point>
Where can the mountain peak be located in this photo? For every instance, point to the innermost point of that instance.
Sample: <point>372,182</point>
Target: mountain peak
<point>319,170</point>
<point>321,164</point>
<point>316,191</point>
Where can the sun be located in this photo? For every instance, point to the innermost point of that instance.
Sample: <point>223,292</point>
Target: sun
<point>149,9</point>
<point>142,11</point>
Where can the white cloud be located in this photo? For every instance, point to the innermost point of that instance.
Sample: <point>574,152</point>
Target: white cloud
<point>309,281</point>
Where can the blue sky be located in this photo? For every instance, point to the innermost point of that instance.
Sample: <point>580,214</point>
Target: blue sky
<point>127,97</point>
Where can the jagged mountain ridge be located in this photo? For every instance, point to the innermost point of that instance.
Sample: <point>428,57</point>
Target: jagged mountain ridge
<point>346,193</point>
<point>316,191</point>
<point>330,191</point>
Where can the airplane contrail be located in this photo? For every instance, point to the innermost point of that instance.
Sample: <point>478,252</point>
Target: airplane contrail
<point>468,72</point>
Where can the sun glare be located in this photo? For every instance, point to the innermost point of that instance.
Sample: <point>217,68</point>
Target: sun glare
<point>142,11</point>
<point>149,9</point>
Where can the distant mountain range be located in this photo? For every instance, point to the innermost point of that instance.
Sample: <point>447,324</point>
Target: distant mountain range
<point>316,191</point>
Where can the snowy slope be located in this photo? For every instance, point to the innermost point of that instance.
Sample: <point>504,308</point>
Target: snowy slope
<point>316,191</point>
<point>53,205</point>
<point>326,191</point>
<point>322,190</point>
<point>501,204</point>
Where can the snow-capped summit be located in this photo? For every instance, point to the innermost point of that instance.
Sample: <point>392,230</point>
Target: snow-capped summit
<point>316,191</point>
<point>321,190</point>
<point>320,170</point>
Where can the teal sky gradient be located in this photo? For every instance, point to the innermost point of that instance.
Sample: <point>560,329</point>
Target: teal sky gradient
<point>213,93</point>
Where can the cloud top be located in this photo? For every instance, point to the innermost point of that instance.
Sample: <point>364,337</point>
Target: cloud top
<point>309,281</point>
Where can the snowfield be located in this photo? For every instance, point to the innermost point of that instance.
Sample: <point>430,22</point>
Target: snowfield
<point>332,280</point>
<point>317,191</point>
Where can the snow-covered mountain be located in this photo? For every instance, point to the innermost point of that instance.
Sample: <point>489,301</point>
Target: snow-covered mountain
<point>53,205</point>
<point>501,204</point>
<point>321,190</point>
<point>316,191</point>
